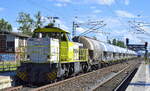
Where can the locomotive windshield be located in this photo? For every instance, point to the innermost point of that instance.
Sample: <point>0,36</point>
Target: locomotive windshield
<point>51,32</point>
<point>56,35</point>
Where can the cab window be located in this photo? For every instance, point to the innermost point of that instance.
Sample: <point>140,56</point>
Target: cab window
<point>56,35</point>
<point>63,37</point>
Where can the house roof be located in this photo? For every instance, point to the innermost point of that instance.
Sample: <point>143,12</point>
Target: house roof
<point>51,29</point>
<point>15,34</point>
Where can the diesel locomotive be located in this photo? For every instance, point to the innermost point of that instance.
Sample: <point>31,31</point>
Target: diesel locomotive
<point>51,55</point>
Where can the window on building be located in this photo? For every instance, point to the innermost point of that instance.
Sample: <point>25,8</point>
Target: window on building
<point>2,43</point>
<point>10,46</point>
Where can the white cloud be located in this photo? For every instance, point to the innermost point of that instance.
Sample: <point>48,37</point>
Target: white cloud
<point>93,7</point>
<point>62,25</point>
<point>123,34</point>
<point>60,4</point>
<point>101,37</point>
<point>45,20</point>
<point>132,38</point>
<point>79,20</point>
<point>125,14</point>
<point>146,28</point>
<point>1,9</point>
<point>58,23</point>
<point>112,22</point>
<point>101,2</point>
<point>80,29</point>
<point>126,2</point>
<point>97,11</point>
<point>65,1</point>
<point>15,29</point>
<point>105,2</point>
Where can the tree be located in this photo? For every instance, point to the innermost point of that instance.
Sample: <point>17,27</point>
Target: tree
<point>108,41</point>
<point>94,38</point>
<point>38,21</point>
<point>121,44</point>
<point>4,25</point>
<point>28,23</point>
<point>118,43</point>
<point>114,42</point>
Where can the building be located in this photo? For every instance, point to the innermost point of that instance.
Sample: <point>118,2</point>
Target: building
<point>12,46</point>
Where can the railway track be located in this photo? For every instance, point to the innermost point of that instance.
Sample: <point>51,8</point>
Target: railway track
<point>90,81</point>
<point>105,79</point>
<point>119,81</point>
<point>18,88</point>
<point>124,84</point>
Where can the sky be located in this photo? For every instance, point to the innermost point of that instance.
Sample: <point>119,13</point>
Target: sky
<point>116,14</point>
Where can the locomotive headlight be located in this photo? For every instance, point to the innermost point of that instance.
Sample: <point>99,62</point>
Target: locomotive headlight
<point>48,57</point>
<point>28,57</point>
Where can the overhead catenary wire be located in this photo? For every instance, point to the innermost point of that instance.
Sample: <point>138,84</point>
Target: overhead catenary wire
<point>138,27</point>
<point>121,20</point>
<point>94,25</point>
<point>91,30</point>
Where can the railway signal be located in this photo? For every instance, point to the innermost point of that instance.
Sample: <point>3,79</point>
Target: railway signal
<point>137,47</point>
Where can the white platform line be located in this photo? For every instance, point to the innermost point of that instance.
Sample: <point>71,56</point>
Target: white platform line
<point>147,88</point>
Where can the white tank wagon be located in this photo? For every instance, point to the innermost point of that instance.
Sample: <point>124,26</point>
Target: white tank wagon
<point>95,50</point>
<point>103,52</point>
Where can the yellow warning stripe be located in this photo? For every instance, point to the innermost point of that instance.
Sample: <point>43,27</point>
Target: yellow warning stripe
<point>52,75</point>
<point>22,75</point>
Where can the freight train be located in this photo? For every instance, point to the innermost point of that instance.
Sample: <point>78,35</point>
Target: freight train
<point>52,55</point>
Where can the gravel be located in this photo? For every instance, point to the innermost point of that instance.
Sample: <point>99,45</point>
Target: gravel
<point>87,81</point>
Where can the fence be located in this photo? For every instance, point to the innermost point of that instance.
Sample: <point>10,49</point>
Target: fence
<point>9,61</point>
<point>8,66</point>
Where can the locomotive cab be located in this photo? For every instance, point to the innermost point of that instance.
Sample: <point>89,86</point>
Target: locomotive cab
<point>69,51</point>
<point>51,39</point>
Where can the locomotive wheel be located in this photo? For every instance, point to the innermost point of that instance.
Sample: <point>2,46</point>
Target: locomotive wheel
<point>85,67</point>
<point>99,66</point>
<point>66,75</point>
<point>71,70</point>
<point>94,67</point>
<point>67,66</point>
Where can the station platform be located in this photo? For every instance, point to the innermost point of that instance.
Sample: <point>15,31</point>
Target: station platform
<point>141,80</point>
<point>5,79</point>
